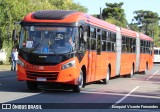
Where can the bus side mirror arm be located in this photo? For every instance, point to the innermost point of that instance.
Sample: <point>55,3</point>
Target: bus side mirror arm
<point>14,38</point>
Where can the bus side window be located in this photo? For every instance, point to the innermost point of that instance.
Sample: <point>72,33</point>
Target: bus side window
<point>109,46</point>
<point>151,47</point>
<point>93,44</point>
<point>93,38</point>
<point>88,31</point>
<point>88,38</point>
<point>104,45</point>
<point>124,44</point>
<point>82,42</point>
<point>156,52</point>
<point>98,44</point>
<point>98,41</point>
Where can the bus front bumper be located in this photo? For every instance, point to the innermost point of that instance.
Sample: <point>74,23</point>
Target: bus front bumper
<point>66,76</point>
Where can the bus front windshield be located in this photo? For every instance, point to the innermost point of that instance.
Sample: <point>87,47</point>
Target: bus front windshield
<point>47,40</point>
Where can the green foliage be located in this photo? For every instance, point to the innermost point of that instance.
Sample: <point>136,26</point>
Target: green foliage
<point>148,23</point>
<point>113,21</point>
<point>12,11</point>
<point>115,14</point>
<point>67,5</point>
<point>157,40</point>
<point>147,19</point>
<point>134,27</point>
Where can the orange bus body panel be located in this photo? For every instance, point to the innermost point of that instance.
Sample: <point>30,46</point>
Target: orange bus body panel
<point>63,76</point>
<point>111,59</point>
<point>127,60</point>
<point>145,59</point>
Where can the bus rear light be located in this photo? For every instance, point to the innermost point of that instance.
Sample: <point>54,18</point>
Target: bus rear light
<point>69,64</point>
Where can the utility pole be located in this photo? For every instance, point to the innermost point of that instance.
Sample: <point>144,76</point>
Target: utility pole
<point>101,14</point>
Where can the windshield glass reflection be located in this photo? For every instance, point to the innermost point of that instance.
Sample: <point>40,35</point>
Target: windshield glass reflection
<point>47,40</point>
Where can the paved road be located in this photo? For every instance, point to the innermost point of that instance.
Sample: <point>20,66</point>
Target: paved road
<point>139,89</point>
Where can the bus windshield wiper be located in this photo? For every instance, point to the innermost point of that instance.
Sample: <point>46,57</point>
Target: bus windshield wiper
<point>53,50</point>
<point>35,47</point>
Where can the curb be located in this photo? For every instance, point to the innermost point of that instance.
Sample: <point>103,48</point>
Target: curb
<point>4,70</point>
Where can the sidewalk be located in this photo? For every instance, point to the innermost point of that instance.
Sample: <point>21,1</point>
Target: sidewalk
<point>5,67</point>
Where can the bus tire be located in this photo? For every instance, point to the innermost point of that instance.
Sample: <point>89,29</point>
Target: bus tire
<point>132,72</point>
<point>106,80</point>
<point>80,83</point>
<point>32,85</point>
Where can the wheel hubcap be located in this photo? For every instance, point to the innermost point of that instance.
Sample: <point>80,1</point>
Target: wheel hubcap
<point>132,72</point>
<point>80,80</point>
<point>107,77</point>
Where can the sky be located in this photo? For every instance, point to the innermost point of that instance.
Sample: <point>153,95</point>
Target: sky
<point>129,6</point>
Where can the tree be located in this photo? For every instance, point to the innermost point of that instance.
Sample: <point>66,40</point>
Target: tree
<point>147,20</point>
<point>113,21</point>
<point>114,13</point>
<point>133,26</point>
<point>148,23</point>
<point>67,5</point>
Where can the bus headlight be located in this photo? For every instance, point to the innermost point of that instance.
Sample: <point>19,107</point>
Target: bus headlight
<point>69,64</point>
<point>20,63</point>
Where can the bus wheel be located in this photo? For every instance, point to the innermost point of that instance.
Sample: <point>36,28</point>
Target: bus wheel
<point>77,88</point>
<point>32,85</point>
<point>106,80</point>
<point>131,73</point>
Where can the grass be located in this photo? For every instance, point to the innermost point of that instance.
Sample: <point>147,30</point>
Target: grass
<point>5,67</point>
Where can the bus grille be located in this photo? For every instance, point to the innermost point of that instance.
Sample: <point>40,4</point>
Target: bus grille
<point>47,75</point>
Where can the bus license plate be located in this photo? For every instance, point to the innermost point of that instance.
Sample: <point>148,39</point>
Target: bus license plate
<point>41,79</point>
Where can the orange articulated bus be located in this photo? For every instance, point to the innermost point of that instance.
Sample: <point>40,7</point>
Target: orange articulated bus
<point>73,48</point>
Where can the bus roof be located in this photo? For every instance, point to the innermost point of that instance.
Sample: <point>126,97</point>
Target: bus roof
<point>145,37</point>
<point>54,16</point>
<point>66,16</point>
<point>128,32</point>
<point>97,22</point>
